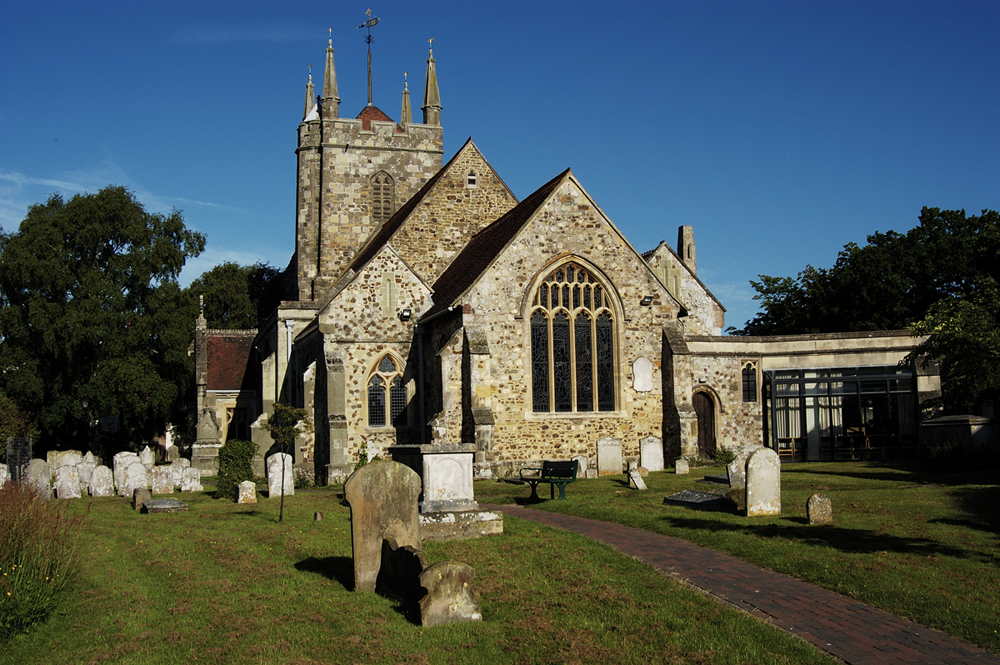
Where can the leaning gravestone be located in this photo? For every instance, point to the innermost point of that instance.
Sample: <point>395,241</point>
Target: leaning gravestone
<point>278,465</point>
<point>102,482</point>
<point>247,492</point>
<point>135,477</point>
<point>139,497</point>
<point>763,483</point>
<point>651,453</point>
<point>450,597</point>
<point>383,499</point>
<point>609,456</point>
<point>18,456</point>
<point>163,480</point>
<point>681,467</point>
<point>191,481</point>
<point>819,509</point>
<point>67,482</point>
<point>636,478</point>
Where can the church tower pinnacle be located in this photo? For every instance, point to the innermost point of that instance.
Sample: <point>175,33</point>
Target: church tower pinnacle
<point>310,95</point>
<point>406,115</point>
<point>432,98</point>
<point>331,101</point>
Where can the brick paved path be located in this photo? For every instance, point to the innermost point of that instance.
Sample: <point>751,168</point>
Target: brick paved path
<point>849,630</point>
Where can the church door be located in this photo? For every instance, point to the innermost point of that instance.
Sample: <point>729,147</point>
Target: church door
<point>705,411</point>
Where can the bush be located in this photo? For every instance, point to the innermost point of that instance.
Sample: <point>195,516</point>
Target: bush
<point>38,542</point>
<point>942,455</point>
<point>725,456</point>
<point>235,466</point>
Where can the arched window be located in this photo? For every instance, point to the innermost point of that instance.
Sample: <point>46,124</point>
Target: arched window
<point>470,180</point>
<point>572,330</point>
<point>749,382</point>
<point>383,202</point>
<point>387,394</point>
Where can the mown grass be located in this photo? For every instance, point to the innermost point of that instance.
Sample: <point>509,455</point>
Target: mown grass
<point>224,583</point>
<point>925,546</point>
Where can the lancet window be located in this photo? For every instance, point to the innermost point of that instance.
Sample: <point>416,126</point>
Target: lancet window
<point>572,330</point>
<point>387,394</point>
<point>749,382</point>
<point>383,201</point>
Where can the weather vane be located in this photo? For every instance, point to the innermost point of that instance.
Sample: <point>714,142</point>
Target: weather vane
<point>369,24</point>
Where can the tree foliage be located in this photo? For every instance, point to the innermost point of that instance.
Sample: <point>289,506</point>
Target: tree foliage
<point>939,278</point>
<point>90,307</point>
<point>283,425</point>
<point>238,297</point>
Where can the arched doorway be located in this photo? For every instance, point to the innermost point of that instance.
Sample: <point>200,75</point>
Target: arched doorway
<point>705,411</point>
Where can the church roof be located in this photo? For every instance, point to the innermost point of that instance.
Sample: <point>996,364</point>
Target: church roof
<point>228,354</point>
<point>372,112</point>
<point>486,246</point>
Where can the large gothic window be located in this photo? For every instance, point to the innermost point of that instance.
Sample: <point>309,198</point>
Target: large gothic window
<point>387,394</point>
<point>572,331</point>
<point>383,202</point>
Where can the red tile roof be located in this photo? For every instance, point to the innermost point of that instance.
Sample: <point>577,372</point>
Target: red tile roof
<point>370,113</point>
<point>228,356</point>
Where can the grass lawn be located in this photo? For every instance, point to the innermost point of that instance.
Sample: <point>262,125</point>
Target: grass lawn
<point>224,583</point>
<point>925,546</point>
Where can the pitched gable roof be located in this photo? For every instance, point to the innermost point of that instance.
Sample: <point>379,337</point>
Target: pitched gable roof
<point>486,246</point>
<point>648,254</point>
<point>370,113</point>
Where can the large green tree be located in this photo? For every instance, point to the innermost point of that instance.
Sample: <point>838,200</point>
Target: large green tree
<point>94,326</point>
<point>939,278</point>
<point>238,297</point>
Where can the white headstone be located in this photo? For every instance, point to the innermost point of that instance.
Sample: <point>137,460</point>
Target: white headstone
<point>274,474</point>
<point>67,482</point>
<point>636,479</point>
<point>102,482</point>
<point>642,375</point>
<point>248,492</point>
<point>163,480</point>
<point>609,456</point>
<point>58,458</point>
<point>191,481</point>
<point>651,453</point>
<point>90,458</point>
<point>763,489</point>
<point>736,470</point>
<point>84,469</point>
<point>119,463</point>
<point>581,471</point>
<point>136,477</point>
<point>4,474</point>
<point>681,467</point>
<point>147,457</point>
<point>38,477</point>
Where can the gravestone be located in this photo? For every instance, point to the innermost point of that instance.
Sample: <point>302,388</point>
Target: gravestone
<point>450,597</point>
<point>191,481</point>
<point>85,469</point>
<point>4,474</point>
<point>118,463</point>
<point>695,499</point>
<point>609,457</point>
<point>763,483</point>
<point>173,453</point>
<point>38,478</point>
<point>736,470</point>
<point>163,506</point>
<point>583,461</point>
<point>635,478</point>
<point>247,492</point>
<point>399,573</point>
<point>163,480</point>
<point>60,458</point>
<point>651,453</point>
<point>681,467</point>
<point>148,458</point>
<point>134,477</point>
<point>139,497</point>
<point>67,482</point>
<point>819,509</point>
<point>90,458</point>
<point>102,482</point>
<point>383,499</point>
<point>275,470</point>
<point>18,456</point>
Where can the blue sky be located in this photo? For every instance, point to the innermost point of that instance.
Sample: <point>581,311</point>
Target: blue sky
<point>779,130</point>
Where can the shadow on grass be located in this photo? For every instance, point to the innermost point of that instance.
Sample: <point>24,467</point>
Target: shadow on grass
<point>335,568</point>
<point>851,541</point>
<point>898,472</point>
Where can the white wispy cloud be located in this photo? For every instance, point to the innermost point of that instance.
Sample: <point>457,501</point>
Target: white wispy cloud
<point>214,34</point>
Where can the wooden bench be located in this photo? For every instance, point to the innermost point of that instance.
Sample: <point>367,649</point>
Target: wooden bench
<point>553,473</point>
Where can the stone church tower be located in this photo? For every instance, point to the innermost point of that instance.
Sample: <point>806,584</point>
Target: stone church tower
<point>354,173</point>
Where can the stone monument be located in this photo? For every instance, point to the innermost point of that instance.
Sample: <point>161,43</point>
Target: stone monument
<point>763,483</point>
<point>651,453</point>
<point>609,457</point>
<point>279,465</point>
<point>819,509</point>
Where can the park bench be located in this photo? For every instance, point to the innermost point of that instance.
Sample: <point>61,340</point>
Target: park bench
<point>553,473</point>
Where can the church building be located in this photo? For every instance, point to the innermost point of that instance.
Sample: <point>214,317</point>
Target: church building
<point>431,306</point>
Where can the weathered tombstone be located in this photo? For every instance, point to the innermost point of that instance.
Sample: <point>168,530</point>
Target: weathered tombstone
<point>383,499</point>
<point>139,497</point>
<point>4,474</point>
<point>247,492</point>
<point>163,480</point>
<point>38,478</point>
<point>651,453</point>
<point>85,469</point>
<point>581,471</point>
<point>317,517</point>
<point>191,481</point>
<point>763,488</point>
<point>119,463</point>
<point>736,471</point>
<point>173,453</point>
<point>60,458</point>
<point>148,458</point>
<point>102,482</point>
<point>91,458</point>
<point>450,597</point>
<point>163,506</point>
<point>135,477</point>
<point>635,478</point>
<point>609,456</point>
<point>278,465</point>
<point>18,456</point>
<point>819,509</point>
<point>681,467</point>
<point>67,482</point>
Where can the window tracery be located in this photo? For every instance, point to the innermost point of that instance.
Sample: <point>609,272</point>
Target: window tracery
<point>749,381</point>
<point>387,394</point>
<point>383,202</point>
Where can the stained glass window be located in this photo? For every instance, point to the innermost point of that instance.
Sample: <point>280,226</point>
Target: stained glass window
<point>572,333</point>
<point>376,402</point>
<point>387,395</point>
<point>749,383</point>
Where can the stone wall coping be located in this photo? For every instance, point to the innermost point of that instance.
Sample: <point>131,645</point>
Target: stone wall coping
<point>434,449</point>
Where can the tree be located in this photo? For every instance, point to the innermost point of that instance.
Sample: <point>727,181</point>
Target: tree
<point>91,312</point>
<point>13,422</point>
<point>283,426</point>
<point>238,297</point>
<point>940,278</point>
